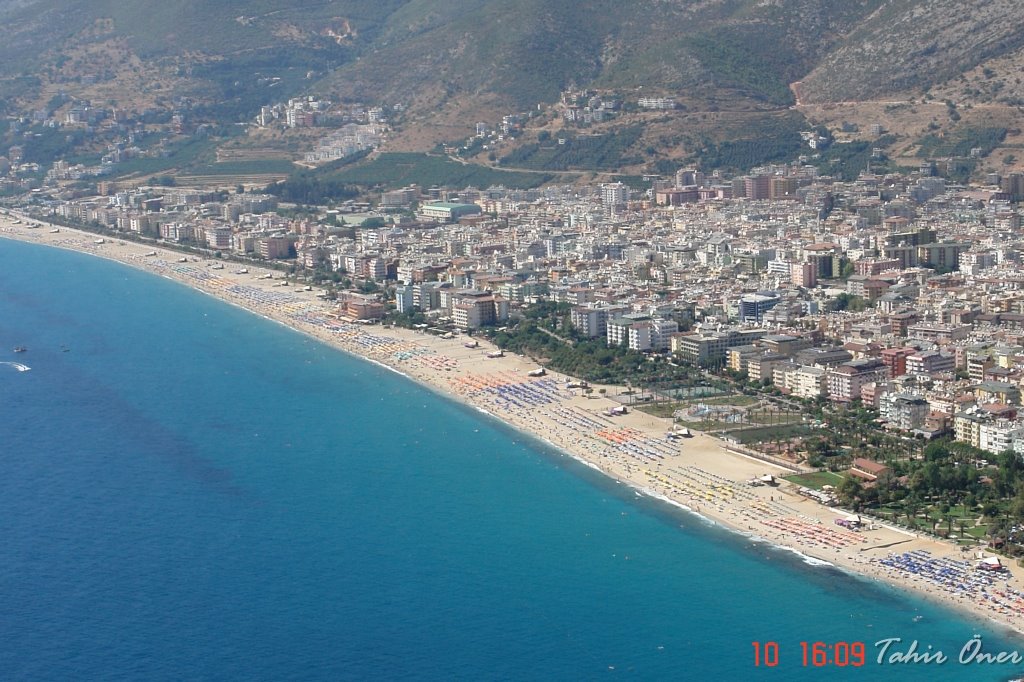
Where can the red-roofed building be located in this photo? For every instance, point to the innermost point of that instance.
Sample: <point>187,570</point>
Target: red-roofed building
<point>867,470</point>
<point>896,360</point>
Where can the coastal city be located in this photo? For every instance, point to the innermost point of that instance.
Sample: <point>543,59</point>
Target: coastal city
<point>861,340</point>
<point>898,293</point>
<point>508,340</point>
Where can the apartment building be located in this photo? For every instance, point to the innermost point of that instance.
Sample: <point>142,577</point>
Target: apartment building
<point>930,362</point>
<point>846,380</point>
<point>904,411</point>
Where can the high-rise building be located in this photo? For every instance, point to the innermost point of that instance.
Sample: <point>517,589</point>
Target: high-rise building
<point>757,187</point>
<point>754,306</point>
<point>1013,184</point>
<point>614,194</point>
<point>780,187</point>
<point>804,274</point>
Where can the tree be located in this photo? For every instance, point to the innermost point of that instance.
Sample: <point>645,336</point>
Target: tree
<point>1017,506</point>
<point>936,450</point>
<point>884,487</point>
<point>845,301</point>
<point>850,491</point>
<point>910,509</point>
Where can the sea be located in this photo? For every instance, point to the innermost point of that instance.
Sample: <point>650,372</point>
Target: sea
<point>189,491</point>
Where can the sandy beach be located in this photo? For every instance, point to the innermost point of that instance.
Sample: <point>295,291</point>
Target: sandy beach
<point>697,473</point>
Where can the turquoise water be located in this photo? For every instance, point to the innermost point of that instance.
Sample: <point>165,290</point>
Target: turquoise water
<point>193,492</point>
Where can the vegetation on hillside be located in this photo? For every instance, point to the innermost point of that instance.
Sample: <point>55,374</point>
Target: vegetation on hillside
<point>308,188</point>
<point>571,152</point>
<point>755,58</point>
<point>225,27</point>
<point>961,142</point>
<point>43,144</point>
<point>847,160</point>
<point>478,59</point>
<point>770,140</point>
<point>345,178</point>
<point>245,82</point>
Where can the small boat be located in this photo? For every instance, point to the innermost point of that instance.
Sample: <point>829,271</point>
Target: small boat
<point>55,230</point>
<point>20,349</point>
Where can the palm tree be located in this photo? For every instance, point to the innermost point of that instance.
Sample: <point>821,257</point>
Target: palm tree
<point>911,511</point>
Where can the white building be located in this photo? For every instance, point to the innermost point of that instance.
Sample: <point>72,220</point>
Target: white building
<point>592,321</point>
<point>640,333</point>
<point>807,382</point>
<point>999,436</point>
<point>403,298</point>
<point>661,332</point>
<point>614,194</point>
<point>904,411</point>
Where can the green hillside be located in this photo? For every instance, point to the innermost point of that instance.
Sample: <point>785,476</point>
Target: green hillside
<point>175,27</point>
<point>526,52</point>
<point>387,171</point>
<point>450,63</point>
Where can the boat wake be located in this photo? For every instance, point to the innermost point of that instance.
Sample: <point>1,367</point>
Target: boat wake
<point>17,365</point>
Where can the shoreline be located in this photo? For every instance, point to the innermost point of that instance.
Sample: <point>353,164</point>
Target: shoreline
<point>698,475</point>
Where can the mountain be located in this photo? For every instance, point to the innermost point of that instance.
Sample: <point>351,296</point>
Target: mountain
<point>226,53</point>
<point>732,65</point>
<point>528,51</point>
<point>909,47</point>
<point>512,53</point>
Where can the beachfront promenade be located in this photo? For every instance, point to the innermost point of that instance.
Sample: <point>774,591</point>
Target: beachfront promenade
<point>698,473</point>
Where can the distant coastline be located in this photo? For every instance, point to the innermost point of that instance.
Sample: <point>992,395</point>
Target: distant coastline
<point>696,474</point>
